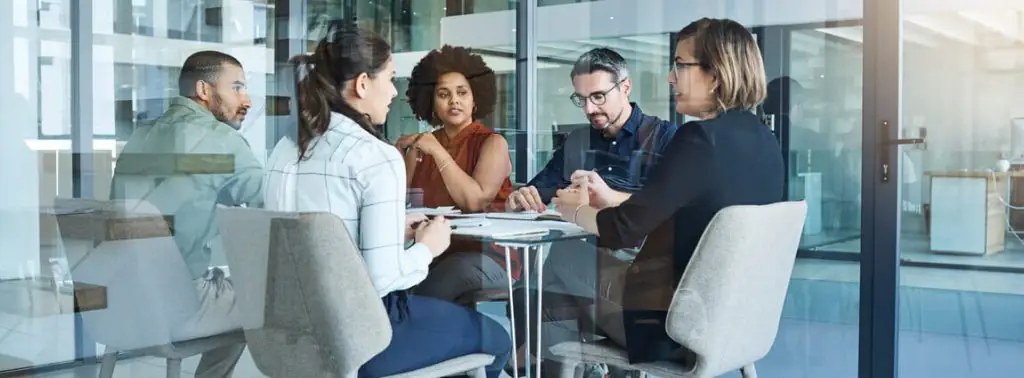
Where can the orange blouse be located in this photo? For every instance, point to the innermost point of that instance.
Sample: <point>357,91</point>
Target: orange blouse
<point>465,148</point>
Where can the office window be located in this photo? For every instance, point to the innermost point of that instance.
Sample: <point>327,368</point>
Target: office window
<point>137,49</point>
<point>414,28</point>
<point>961,250</point>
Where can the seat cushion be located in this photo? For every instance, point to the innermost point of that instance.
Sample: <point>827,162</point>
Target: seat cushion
<point>611,354</point>
<point>455,366</point>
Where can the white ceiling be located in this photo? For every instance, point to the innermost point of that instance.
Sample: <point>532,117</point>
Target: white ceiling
<point>989,30</point>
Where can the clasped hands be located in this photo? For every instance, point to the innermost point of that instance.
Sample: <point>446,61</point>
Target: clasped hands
<point>424,143</point>
<point>587,189</point>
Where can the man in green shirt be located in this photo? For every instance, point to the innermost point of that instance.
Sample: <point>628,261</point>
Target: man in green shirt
<point>186,162</point>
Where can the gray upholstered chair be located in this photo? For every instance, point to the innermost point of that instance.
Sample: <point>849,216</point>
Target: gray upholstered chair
<point>149,294</point>
<point>309,307</point>
<point>727,307</point>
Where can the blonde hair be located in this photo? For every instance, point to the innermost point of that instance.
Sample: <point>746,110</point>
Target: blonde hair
<point>727,51</point>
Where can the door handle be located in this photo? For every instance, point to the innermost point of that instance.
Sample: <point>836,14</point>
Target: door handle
<point>920,140</point>
<point>883,150</point>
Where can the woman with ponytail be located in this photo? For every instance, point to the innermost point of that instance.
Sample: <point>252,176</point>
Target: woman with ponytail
<point>338,162</point>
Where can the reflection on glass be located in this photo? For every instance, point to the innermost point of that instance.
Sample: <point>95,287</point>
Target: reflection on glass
<point>138,47</point>
<point>413,29</point>
<point>962,256</point>
<point>820,103</point>
<point>814,96</point>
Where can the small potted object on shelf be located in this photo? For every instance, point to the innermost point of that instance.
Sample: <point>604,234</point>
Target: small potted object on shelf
<point>1003,164</point>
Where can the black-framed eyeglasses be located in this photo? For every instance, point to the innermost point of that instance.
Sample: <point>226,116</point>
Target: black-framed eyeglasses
<point>678,67</point>
<point>596,98</point>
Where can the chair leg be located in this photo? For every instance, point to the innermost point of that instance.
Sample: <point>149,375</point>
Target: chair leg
<point>173,368</point>
<point>748,371</point>
<point>107,365</point>
<point>571,369</point>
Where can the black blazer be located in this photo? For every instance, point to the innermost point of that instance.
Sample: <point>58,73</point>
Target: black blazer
<point>733,159</point>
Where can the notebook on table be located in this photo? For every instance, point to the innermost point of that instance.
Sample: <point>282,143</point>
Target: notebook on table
<point>428,211</point>
<point>503,230</point>
<point>550,214</point>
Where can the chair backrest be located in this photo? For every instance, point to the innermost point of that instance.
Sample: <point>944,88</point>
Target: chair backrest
<point>307,303</point>
<point>245,235</point>
<point>729,301</point>
<point>131,252</point>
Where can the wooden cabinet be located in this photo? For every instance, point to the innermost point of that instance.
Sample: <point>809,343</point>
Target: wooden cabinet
<point>1017,197</point>
<point>967,215</point>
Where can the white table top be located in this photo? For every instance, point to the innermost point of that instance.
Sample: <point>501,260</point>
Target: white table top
<point>526,231</point>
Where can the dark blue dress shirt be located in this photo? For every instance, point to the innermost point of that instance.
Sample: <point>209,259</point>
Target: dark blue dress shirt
<point>622,162</point>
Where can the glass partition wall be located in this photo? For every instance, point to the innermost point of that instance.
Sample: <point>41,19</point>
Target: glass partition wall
<point>897,121</point>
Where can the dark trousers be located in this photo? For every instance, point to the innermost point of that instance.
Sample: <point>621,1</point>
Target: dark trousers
<point>461,273</point>
<point>435,331</point>
<point>580,282</point>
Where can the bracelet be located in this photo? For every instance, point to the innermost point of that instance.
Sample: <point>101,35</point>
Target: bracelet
<point>577,212</point>
<point>445,165</point>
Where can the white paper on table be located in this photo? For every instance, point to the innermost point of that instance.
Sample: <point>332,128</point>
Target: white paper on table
<point>524,215</point>
<point>504,230</point>
<point>469,222</point>
<point>463,216</point>
<point>446,210</point>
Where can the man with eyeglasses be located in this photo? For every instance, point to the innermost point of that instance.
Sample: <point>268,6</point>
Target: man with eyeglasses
<point>621,144</point>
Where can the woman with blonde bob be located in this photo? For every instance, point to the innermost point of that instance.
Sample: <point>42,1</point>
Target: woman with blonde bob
<point>725,157</point>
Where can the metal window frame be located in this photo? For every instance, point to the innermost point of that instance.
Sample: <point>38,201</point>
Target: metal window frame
<point>81,98</point>
<point>880,217</point>
<point>82,174</point>
<point>526,90</point>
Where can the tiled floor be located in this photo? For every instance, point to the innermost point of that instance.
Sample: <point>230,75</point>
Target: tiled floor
<point>802,350</point>
<point>915,247</point>
<point>34,337</point>
<point>149,367</point>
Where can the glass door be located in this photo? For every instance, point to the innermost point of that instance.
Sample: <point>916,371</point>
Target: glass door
<point>961,193</point>
<point>815,79</point>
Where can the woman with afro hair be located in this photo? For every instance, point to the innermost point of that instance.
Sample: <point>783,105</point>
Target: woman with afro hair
<point>462,163</point>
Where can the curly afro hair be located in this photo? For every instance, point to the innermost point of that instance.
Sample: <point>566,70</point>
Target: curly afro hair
<point>446,60</point>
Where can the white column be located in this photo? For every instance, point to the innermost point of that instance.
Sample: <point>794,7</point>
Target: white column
<point>237,22</point>
<point>254,128</point>
<point>102,68</point>
<point>19,201</point>
<point>160,18</point>
<point>103,14</point>
<point>237,32</point>
<point>103,89</point>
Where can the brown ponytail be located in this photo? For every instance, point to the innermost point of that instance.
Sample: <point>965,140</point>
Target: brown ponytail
<point>344,54</point>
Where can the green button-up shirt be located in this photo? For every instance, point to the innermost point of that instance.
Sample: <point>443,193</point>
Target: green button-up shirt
<point>186,163</point>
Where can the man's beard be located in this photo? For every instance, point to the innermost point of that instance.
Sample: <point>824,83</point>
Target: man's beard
<point>220,115</point>
<point>611,121</point>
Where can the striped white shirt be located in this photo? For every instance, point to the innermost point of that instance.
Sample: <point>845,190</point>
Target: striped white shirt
<point>361,179</point>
